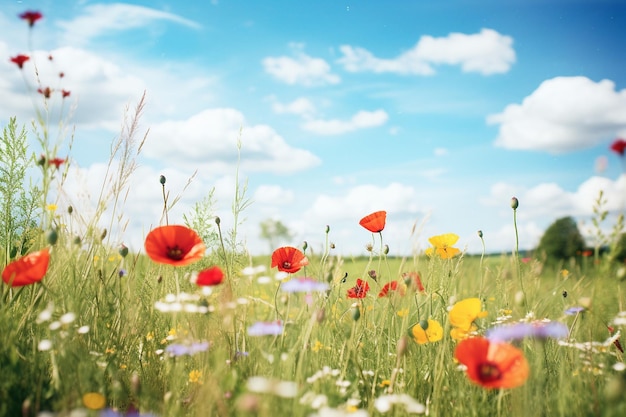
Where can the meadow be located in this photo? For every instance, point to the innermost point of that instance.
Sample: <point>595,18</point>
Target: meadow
<point>194,325</point>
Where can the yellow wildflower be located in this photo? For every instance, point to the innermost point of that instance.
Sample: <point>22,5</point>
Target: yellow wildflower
<point>94,401</point>
<point>195,377</point>
<point>427,332</point>
<point>442,246</point>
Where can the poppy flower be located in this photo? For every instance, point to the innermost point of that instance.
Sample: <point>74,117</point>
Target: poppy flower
<point>359,290</point>
<point>442,246</point>
<point>374,222</point>
<point>28,269</point>
<point>65,93</point>
<point>19,60</point>
<point>462,316</point>
<point>57,162</point>
<point>289,259</point>
<point>413,278</point>
<point>619,146</point>
<point>210,277</point>
<point>31,17</point>
<point>46,92</point>
<point>389,287</point>
<point>492,364</point>
<point>174,245</point>
<point>427,332</point>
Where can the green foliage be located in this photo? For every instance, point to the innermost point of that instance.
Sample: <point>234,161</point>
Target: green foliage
<point>202,219</point>
<point>561,241</point>
<point>19,206</point>
<point>274,231</point>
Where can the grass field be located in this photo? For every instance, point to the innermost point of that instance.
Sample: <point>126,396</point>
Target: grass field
<point>195,326</point>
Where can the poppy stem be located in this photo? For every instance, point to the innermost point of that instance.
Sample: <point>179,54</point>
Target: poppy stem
<point>167,222</point>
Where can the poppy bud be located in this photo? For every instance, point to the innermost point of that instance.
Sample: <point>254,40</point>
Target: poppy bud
<point>217,220</point>
<point>53,236</point>
<point>70,209</point>
<point>356,313</point>
<point>514,203</point>
<point>104,234</point>
<point>77,240</point>
<point>369,247</point>
<point>386,249</point>
<point>42,160</point>
<point>332,245</point>
<point>327,229</point>
<point>372,274</point>
<point>480,234</point>
<point>162,179</point>
<point>305,245</point>
<point>424,324</point>
<point>123,251</point>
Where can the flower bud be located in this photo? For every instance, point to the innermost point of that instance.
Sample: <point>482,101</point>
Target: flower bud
<point>70,210</point>
<point>104,234</point>
<point>162,179</point>
<point>356,313</point>
<point>480,234</point>
<point>123,251</point>
<point>305,245</point>
<point>424,324</point>
<point>217,220</point>
<point>514,203</point>
<point>372,274</point>
<point>53,236</point>
<point>327,229</point>
<point>386,250</point>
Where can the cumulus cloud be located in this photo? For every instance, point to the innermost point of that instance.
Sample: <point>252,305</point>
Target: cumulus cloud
<point>361,120</point>
<point>301,69</point>
<point>563,114</point>
<point>101,19</point>
<point>301,106</point>
<point>210,139</point>
<point>273,195</point>
<point>487,52</point>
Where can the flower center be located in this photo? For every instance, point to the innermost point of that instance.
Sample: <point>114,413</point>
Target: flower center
<point>175,253</point>
<point>287,265</point>
<point>488,372</point>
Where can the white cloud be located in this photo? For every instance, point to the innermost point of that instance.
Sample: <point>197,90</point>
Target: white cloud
<point>440,152</point>
<point>361,120</point>
<point>273,194</point>
<point>301,69</point>
<point>209,139</point>
<point>102,19</point>
<point>487,52</point>
<point>301,106</point>
<point>563,114</point>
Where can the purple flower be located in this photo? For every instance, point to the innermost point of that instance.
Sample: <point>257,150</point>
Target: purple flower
<point>261,328</point>
<point>538,330</point>
<point>304,285</point>
<point>177,349</point>
<point>572,311</point>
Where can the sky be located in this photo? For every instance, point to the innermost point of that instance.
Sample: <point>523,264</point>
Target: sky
<point>438,112</point>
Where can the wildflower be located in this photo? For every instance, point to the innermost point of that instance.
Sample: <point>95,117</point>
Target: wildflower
<point>94,401</point>
<point>209,277</point>
<point>263,385</point>
<point>572,311</point>
<point>46,92</point>
<point>539,330</point>
<point>616,342</point>
<point>359,290</point>
<point>31,17</point>
<point>374,222</point>
<point>195,377</point>
<point>427,332</point>
<point>384,403</point>
<point>27,270</point>
<point>174,245</point>
<point>389,287</point>
<point>442,246</point>
<point>178,349</point>
<point>266,329</point>
<point>44,345</point>
<point>19,60</point>
<point>65,93</point>
<point>492,364</point>
<point>289,259</point>
<point>619,146</point>
<point>462,316</point>
<point>304,285</point>
<point>57,162</point>
<point>413,278</point>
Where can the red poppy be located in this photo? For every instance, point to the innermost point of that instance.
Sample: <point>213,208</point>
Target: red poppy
<point>389,287</point>
<point>374,222</point>
<point>616,342</point>
<point>28,269</point>
<point>174,245</point>
<point>57,162</point>
<point>413,278</point>
<point>289,259</point>
<point>210,277</point>
<point>359,290</point>
<point>65,93</point>
<point>46,92</point>
<point>31,17</point>
<point>19,60</point>
<point>492,364</point>
<point>619,146</point>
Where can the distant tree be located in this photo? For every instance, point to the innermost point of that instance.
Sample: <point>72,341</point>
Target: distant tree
<point>620,249</point>
<point>562,240</point>
<point>274,231</point>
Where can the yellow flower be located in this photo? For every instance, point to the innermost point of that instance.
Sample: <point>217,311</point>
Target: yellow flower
<point>150,336</point>
<point>462,316</point>
<point>564,273</point>
<point>384,383</point>
<point>94,400</point>
<point>442,246</point>
<point>432,333</point>
<point>195,377</point>
<point>51,207</point>
<point>403,313</point>
<point>317,346</point>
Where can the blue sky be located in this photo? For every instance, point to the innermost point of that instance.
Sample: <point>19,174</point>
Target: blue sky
<point>436,111</point>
